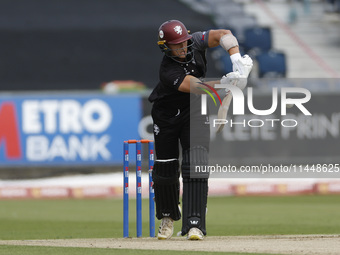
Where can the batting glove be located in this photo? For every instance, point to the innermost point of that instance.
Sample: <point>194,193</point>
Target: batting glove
<point>235,79</point>
<point>242,64</point>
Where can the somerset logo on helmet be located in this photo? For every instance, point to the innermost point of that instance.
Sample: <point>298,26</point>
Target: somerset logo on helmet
<point>178,30</point>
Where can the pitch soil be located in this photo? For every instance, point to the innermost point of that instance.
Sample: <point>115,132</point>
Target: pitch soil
<point>285,244</point>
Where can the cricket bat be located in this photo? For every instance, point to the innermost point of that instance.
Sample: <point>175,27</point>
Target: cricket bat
<point>223,110</point>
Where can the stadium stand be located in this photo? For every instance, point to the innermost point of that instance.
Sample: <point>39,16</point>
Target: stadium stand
<point>45,45</point>
<point>271,64</point>
<point>254,39</point>
<point>257,39</point>
<point>68,45</point>
<point>304,55</point>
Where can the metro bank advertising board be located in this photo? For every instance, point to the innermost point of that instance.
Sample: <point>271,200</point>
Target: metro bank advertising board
<point>66,129</point>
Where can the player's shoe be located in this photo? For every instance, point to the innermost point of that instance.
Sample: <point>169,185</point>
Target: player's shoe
<point>166,229</point>
<point>195,234</point>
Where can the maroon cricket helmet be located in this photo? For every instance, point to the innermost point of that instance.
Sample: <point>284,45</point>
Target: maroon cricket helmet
<point>173,32</point>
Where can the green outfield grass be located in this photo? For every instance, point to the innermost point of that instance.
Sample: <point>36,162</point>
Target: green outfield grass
<point>19,250</point>
<point>102,218</point>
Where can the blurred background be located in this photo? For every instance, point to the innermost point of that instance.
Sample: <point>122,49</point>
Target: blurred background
<point>75,76</point>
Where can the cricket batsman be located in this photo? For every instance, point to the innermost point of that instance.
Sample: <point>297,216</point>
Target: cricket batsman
<point>182,69</point>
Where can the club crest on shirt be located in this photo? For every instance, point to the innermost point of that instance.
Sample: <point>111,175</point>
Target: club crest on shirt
<point>156,129</point>
<point>178,29</point>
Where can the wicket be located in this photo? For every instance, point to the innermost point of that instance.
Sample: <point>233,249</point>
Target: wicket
<point>138,187</point>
